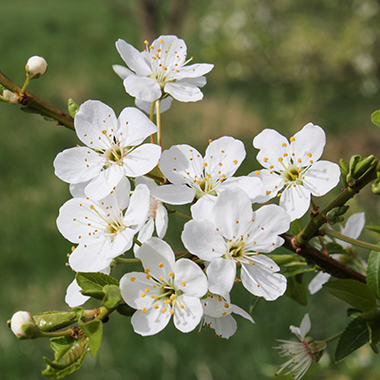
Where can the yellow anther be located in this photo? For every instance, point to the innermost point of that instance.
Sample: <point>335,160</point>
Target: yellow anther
<point>146,42</point>
<point>311,161</point>
<point>72,249</point>
<point>292,139</point>
<point>172,296</point>
<point>235,162</point>
<point>171,274</point>
<point>309,154</point>
<point>104,132</point>
<point>167,301</point>
<point>205,164</point>
<point>242,244</point>
<point>237,222</point>
<point>161,41</point>
<point>143,295</point>
<point>284,145</point>
<point>280,159</point>
<point>174,302</point>
<point>226,305</point>
<point>156,306</point>
<point>161,265</point>
<point>285,154</point>
<point>268,192</point>
<point>182,306</point>
<point>210,140</point>
<point>224,313</point>
<point>161,278</point>
<point>164,310</point>
<point>147,290</point>
<point>220,299</point>
<point>252,221</point>
<point>148,277</point>
<point>299,160</point>
<point>144,310</point>
<point>266,159</point>
<point>147,270</point>
<point>183,283</point>
<point>257,172</point>
<point>171,311</point>
<point>133,279</point>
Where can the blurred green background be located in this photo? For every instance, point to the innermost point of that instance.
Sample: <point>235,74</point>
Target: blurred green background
<point>278,64</point>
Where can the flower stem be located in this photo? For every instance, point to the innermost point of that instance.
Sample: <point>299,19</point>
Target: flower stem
<point>46,334</point>
<point>158,120</point>
<point>358,243</point>
<point>127,261</point>
<point>152,119</point>
<point>26,84</point>
<point>335,337</point>
<point>183,216</point>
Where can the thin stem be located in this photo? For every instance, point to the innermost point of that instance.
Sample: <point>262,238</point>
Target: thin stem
<point>179,214</point>
<point>358,243</point>
<point>46,334</point>
<point>26,84</point>
<point>333,338</point>
<point>136,241</point>
<point>152,119</point>
<point>30,100</point>
<point>158,120</point>
<point>127,261</point>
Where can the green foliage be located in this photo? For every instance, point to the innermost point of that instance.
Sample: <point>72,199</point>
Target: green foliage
<point>373,228</point>
<point>373,273</point>
<point>375,118</point>
<point>54,320</point>
<point>354,336</point>
<point>112,296</point>
<point>374,335</point>
<point>334,248</point>
<point>92,284</point>
<point>355,293</point>
<point>69,355</point>
<point>94,332</point>
<point>297,289</point>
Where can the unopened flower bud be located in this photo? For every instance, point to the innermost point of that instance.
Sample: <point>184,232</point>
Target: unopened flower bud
<point>10,97</point>
<point>36,66</point>
<point>23,325</point>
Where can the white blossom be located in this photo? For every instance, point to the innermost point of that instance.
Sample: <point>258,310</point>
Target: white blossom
<point>233,234</point>
<point>36,66</point>
<point>103,229</point>
<point>23,325</point>
<point>113,148</point>
<point>292,170</point>
<point>167,288</point>
<point>160,70</point>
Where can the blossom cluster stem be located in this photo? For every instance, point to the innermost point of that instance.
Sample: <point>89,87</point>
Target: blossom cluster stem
<point>358,243</point>
<point>35,103</point>
<point>158,120</point>
<point>152,120</point>
<point>317,221</point>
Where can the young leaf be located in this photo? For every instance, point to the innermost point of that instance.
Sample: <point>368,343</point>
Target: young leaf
<point>375,118</point>
<point>354,336</point>
<point>92,283</point>
<point>297,290</point>
<point>373,228</point>
<point>94,332</point>
<point>112,296</point>
<point>374,335</point>
<point>373,272</point>
<point>54,320</point>
<point>69,356</point>
<point>355,293</point>
<point>334,248</point>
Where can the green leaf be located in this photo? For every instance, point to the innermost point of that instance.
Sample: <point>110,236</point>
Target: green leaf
<point>125,310</point>
<point>92,283</point>
<point>69,356</point>
<point>374,335</point>
<point>297,290</point>
<point>355,293</point>
<point>112,296</point>
<point>334,248</point>
<point>375,118</point>
<point>295,227</point>
<point>373,228</point>
<point>373,272</point>
<point>296,269</point>
<point>54,320</point>
<point>78,311</point>
<point>94,332</point>
<point>354,336</point>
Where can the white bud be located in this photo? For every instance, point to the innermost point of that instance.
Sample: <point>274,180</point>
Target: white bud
<point>36,66</point>
<point>23,325</point>
<point>10,96</point>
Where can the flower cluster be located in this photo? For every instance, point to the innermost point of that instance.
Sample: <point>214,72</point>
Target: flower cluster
<point>123,187</point>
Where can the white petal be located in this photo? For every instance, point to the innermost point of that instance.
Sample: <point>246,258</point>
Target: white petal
<point>142,160</point>
<point>183,92</point>
<point>260,279</point>
<point>203,207</point>
<point>310,139</point>
<point>79,164</point>
<point>295,200</point>
<point>157,256</point>
<point>138,208</point>
<point>272,183</point>
<point>134,126</point>
<point>272,145</point>
<point>201,239</point>
<point>251,185</point>
<point>239,311</point>
<point>353,228</point>
<point>162,221</point>
<point>198,81</point>
<point>181,164</point>
<point>133,58</point>
<point>144,88</point>
<point>317,282</point>
<point>224,156</point>
<point>91,120</point>
<point>174,194</point>
<point>104,183</point>
<point>186,319</point>
<point>224,327</point>
<point>121,71</point>
<point>151,322</point>
<point>146,231</point>
<point>322,177</point>
<point>132,286</point>
<point>189,278</point>
<point>305,326</point>
<point>196,70</point>
<point>216,306</point>
<point>77,189</point>
<point>221,276</point>
<point>73,295</point>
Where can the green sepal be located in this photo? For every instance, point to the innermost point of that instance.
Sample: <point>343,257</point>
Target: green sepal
<point>69,355</point>
<point>112,296</point>
<point>78,312</point>
<point>295,227</point>
<point>92,283</point>
<point>375,118</point>
<point>72,107</point>
<point>355,293</point>
<point>54,320</point>
<point>94,332</point>
<point>373,272</point>
<point>156,172</point>
<point>125,310</point>
<point>334,248</point>
<point>374,335</point>
<point>359,165</point>
<point>354,336</point>
<point>376,185</point>
<point>344,169</point>
<point>335,214</point>
<point>297,290</point>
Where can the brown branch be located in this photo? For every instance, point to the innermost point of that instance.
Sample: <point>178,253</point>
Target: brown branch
<point>33,102</point>
<point>331,266</point>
